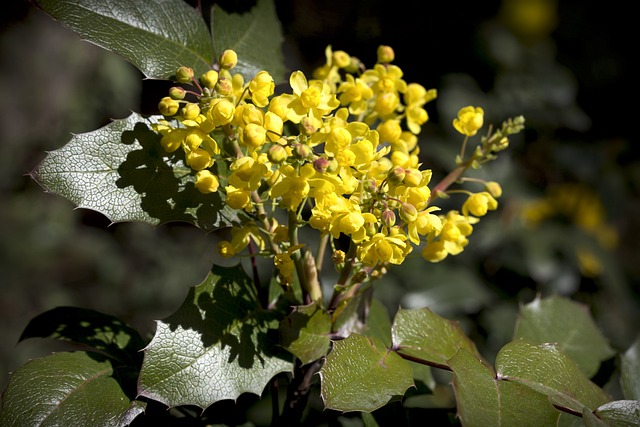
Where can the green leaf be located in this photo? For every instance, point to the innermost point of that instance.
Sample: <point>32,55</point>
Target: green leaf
<point>256,36</point>
<point>71,389</point>
<point>569,325</point>
<point>378,323</point>
<point>156,36</point>
<point>621,413</point>
<point>305,332</point>
<point>630,371</point>
<point>122,171</point>
<point>484,401</point>
<point>219,344</point>
<point>100,331</point>
<point>422,334</point>
<point>361,374</point>
<point>547,370</point>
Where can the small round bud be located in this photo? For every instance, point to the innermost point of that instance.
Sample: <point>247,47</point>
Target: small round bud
<point>168,106</point>
<point>333,166</point>
<point>341,59</point>
<point>224,87</point>
<point>277,154</point>
<point>408,212</point>
<point>184,74</point>
<point>388,218</point>
<point>494,188</point>
<point>385,54</point>
<point>177,93</point>
<point>412,178</point>
<point>307,127</point>
<point>302,151</point>
<point>338,257</point>
<point>190,111</point>
<point>321,164</point>
<point>206,182</point>
<point>396,175</point>
<point>228,59</point>
<point>209,79</point>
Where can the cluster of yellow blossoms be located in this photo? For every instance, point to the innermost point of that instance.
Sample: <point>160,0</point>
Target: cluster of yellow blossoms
<point>339,153</point>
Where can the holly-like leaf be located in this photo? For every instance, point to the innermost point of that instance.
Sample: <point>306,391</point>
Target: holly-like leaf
<point>305,332</point>
<point>122,171</point>
<point>71,389</point>
<point>547,370</point>
<point>482,400</point>
<point>569,325</point>
<point>630,371</point>
<point>620,413</point>
<point>100,331</point>
<point>361,374</point>
<point>422,334</point>
<point>219,344</point>
<point>255,35</point>
<point>156,36</point>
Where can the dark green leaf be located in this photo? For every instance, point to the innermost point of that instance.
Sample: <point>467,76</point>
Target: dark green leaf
<point>378,323</point>
<point>156,36</point>
<point>91,328</point>
<point>122,171</point>
<point>568,324</point>
<point>547,370</point>
<point>256,36</point>
<point>305,332</point>
<point>219,344</point>
<point>71,389</point>
<point>621,413</point>
<point>630,371</point>
<point>361,374</point>
<point>484,401</point>
<point>422,334</point>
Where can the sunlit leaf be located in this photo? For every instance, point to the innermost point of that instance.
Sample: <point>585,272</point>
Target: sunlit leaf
<point>219,344</point>
<point>620,413</point>
<point>547,370</point>
<point>255,35</point>
<point>569,325</point>
<point>361,374</point>
<point>71,389</point>
<point>122,171</point>
<point>482,400</point>
<point>156,36</point>
<point>422,334</point>
<point>305,332</point>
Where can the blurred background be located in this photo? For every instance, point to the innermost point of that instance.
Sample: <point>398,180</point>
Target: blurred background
<point>568,221</point>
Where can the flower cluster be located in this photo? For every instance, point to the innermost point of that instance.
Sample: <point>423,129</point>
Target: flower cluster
<point>339,152</point>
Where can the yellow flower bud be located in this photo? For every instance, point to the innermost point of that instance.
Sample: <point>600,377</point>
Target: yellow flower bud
<point>341,59</point>
<point>408,212</point>
<point>390,131</point>
<point>184,74</point>
<point>253,135</point>
<point>338,257</point>
<point>277,154</point>
<point>191,111</point>
<point>494,188</point>
<point>479,203</point>
<point>469,120</point>
<point>228,59</point>
<point>168,106</point>
<point>221,111</point>
<point>199,159</point>
<point>385,54</point>
<point>177,93</point>
<point>224,87</point>
<point>412,177</point>
<point>206,182</point>
<point>209,79</point>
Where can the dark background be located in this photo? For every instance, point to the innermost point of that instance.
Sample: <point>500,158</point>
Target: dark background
<point>574,81</point>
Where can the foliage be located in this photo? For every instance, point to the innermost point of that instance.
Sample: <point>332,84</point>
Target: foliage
<point>328,158</point>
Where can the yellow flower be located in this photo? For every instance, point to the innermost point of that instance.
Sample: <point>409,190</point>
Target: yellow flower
<point>199,159</point>
<point>479,204</point>
<point>469,121</point>
<point>261,88</point>
<point>294,187</point>
<point>311,98</point>
<point>354,92</point>
<point>238,198</point>
<point>206,182</point>
<point>381,249</point>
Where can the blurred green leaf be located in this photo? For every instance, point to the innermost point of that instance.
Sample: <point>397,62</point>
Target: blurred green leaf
<point>361,374</point>
<point>71,389</point>
<point>484,401</point>
<point>630,371</point>
<point>305,332</point>
<point>547,370</point>
<point>378,323</point>
<point>219,344</point>
<point>157,37</point>
<point>256,36</point>
<point>91,328</point>
<point>569,325</point>
<point>122,171</point>
<point>422,334</point>
<point>620,413</point>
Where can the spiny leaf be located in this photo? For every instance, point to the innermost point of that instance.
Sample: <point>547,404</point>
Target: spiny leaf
<point>482,400</point>
<point>630,371</point>
<point>256,36</point>
<point>422,334</point>
<point>568,324</point>
<point>71,389</point>
<point>547,370</point>
<point>361,374</point>
<point>156,36</point>
<point>305,332</point>
<point>620,413</point>
<point>100,331</point>
<point>122,171</point>
<point>218,345</point>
